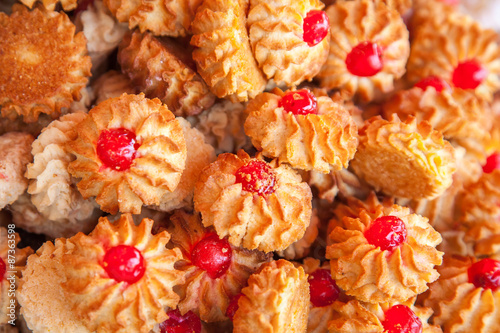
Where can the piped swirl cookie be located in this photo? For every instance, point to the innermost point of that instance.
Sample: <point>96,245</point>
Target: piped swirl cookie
<point>382,253</point>
<point>296,127</point>
<point>259,205</point>
<point>31,84</point>
<point>369,48</point>
<point>129,151</point>
<point>120,278</point>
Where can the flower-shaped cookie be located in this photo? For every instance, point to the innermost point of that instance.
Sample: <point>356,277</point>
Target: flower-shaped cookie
<point>239,44</point>
<point>301,248</point>
<point>129,151</point>
<point>383,253</point>
<point>163,68</point>
<point>161,17</point>
<point>215,270</point>
<point>434,10</point>
<point>258,205</point>
<point>466,297</point>
<point>307,132</point>
<point>50,5</point>
<point>276,300</point>
<point>52,189</point>
<point>14,157</point>
<point>369,48</point>
<point>31,84</point>
<point>12,261</point>
<point>111,84</point>
<point>120,278</point>
<point>403,158</point>
<point>458,51</point>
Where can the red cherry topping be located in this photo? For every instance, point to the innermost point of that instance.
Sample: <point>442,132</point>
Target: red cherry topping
<point>492,163</point>
<point>300,102</point>
<point>3,269</point>
<point>124,263</point>
<point>365,59</point>
<point>117,148</point>
<point>316,27</point>
<point>469,74</point>
<point>485,274</point>
<point>322,287</point>
<point>433,81</point>
<point>386,232</point>
<point>401,319</point>
<point>213,255</point>
<point>256,177</point>
<point>177,323</point>
<point>233,306</point>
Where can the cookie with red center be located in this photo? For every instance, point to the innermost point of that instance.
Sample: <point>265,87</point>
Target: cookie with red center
<point>129,152</point>
<point>296,127</point>
<point>289,39</point>
<point>358,317</point>
<point>12,262</point>
<point>391,152</point>
<point>162,18</point>
<point>458,51</point>
<point>466,297</point>
<point>163,68</point>
<point>178,323</point>
<point>258,205</point>
<point>275,300</point>
<point>48,89</point>
<point>382,252</point>
<point>368,52</point>
<point>118,278</point>
<point>215,270</point>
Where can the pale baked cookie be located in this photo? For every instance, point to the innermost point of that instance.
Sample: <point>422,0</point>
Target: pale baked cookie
<point>14,157</point>
<point>111,84</point>
<point>53,190</point>
<point>129,151</point>
<point>161,17</point>
<point>433,10</point>
<point>403,158</point>
<point>297,128</point>
<point>301,248</point>
<point>290,39</point>
<point>358,317</point>
<point>466,298</point>
<point>276,300</point>
<point>120,278</point>
<point>50,5</point>
<point>102,30</point>
<point>12,261</point>
<point>368,50</point>
<point>259,205</point>
<point>223,54</point>
<point>222,126</point>
<point>28,92</point>
<point>215,270</point>
<point>199,155</point>
<point>163,68</point>
<point>458,51</point>
<point>382,253</point>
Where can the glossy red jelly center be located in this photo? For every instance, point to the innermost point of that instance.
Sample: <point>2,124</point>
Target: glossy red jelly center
<point>177,323</point>
<point>124,263</point>
<point>256,177</point>
<point>213,255</point>
<point>316,27</point>
<point>433,81</point>
<point>117,148</point>
<point>401,319</point>
<point>322,287</point>
<point>365,59</point>
<point>3,269</point>
<point>300,102</point>
<point>386,232</point>
<point>233,306</point>
<point>492,163</point>
<point>485,274</point>
<point>469,75</point>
